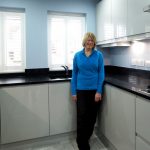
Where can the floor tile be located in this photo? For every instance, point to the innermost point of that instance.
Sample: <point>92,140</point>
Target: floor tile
<point>62,144</point>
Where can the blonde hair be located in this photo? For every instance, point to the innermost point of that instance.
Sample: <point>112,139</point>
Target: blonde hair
<point>86,36</point>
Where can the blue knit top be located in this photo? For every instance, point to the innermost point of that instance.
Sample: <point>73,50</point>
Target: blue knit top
<point>88,72</point>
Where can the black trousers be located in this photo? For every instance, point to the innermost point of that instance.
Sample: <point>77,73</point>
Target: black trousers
<point>86,117</point>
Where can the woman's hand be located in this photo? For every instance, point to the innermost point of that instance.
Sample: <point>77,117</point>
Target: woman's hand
<point>74,98</point>
<point>98,97</point>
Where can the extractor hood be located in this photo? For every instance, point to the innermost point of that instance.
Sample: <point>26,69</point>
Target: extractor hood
<point>146,8</point>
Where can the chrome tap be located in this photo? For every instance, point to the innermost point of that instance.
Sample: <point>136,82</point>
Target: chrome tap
<point>66,70</point>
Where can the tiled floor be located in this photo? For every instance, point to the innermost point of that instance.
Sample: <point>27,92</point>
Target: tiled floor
<point>58,144</point>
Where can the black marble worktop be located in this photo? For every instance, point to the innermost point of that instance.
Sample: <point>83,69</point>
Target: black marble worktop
<point>132,80</point>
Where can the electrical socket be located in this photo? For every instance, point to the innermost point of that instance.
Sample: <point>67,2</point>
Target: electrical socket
<point>147,63</point>
<point>133,62</point>
<point>140,62</point>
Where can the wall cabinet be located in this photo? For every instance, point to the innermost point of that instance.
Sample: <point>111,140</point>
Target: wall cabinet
<point>119,18</point>
<point>62,108</point>
<point>138,20</point>
<point>117,118</point>
<point>24,112</point>
<point>104,22</point>
<point>111,19</point>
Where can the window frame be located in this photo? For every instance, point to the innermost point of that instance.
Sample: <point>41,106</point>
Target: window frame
<point>4,12</point>
<point>52,14</point>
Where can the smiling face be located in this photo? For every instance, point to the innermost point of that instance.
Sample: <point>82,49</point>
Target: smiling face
<point>89,40</point>
<point>89,44</point>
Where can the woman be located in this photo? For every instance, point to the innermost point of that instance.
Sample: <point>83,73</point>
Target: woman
<point>87,81</point>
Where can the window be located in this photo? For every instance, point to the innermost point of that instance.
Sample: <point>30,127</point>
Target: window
<point>65,33</point>
<point>12,35</point>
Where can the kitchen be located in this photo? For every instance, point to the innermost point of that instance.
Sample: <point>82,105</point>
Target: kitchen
<point>132,34</point>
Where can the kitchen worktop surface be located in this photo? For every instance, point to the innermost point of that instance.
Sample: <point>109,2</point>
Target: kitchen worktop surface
<point>131,82</point>
<point>20,80</point>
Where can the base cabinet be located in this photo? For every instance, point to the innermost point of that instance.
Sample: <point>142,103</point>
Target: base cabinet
<point>143,122</point>
<point>141,144</point>
<point>118,118</point>
<point>122,119</point>
<point>24,112</point>
<point>62,108</point>
<point>104,116</point>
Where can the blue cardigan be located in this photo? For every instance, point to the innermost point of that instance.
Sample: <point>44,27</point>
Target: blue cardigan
<point>88,72</point>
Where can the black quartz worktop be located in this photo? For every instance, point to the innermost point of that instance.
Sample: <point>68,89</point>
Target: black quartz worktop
<point>34,76</point>
<point>130,83</point>
<point>131,80</point>
<point>21,80</point>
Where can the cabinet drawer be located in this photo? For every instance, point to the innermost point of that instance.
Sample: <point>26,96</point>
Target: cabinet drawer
<point>143,117</point>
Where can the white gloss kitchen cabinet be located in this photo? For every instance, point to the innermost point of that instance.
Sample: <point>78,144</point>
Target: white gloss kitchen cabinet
<point>24,112</point>
<point>111,17</point>
<point>119,18</point>
<point>138,20</point>
<point>62,108</point>
<point>104,22</point>
<point>117,118</point>
<point>104,116</point>
<point>142,124</point>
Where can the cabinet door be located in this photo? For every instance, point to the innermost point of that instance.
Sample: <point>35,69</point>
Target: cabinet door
<point>143,117</point>
<point>122,119</point>
<point>141,144</point>
<point>103,21</point>
<point>119,17</point>
<point>104,115</point>
<point>62,108</point>
<point>138,20</point>
<point>24,112</point>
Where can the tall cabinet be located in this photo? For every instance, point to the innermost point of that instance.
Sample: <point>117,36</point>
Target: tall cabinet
<point>24,112</point>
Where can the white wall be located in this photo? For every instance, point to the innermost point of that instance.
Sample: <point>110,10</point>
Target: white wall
<point>121,56</point>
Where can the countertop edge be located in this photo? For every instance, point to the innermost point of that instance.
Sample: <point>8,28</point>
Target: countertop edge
<point>131,90</point>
